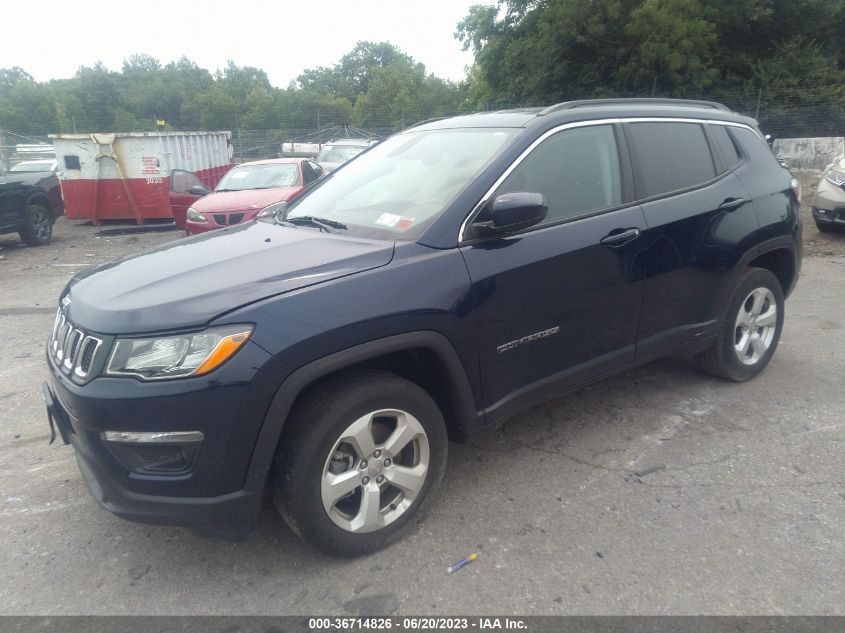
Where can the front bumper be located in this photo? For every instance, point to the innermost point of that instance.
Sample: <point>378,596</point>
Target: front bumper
<point>829,205</point>
<point>833,217</point>
<point>228,406</point>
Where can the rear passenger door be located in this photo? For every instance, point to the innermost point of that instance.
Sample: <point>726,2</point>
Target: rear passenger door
<point>559,303</point>
<point>700,220</point>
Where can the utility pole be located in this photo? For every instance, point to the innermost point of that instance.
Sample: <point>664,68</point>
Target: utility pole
<point>240,141</point>
<point>4,166</point>
<point>73,118</point>
<point>759,99</point>
<point>319,146</point>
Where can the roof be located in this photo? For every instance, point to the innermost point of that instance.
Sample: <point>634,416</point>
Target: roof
<point>355,142</point>
<point>590,109</point>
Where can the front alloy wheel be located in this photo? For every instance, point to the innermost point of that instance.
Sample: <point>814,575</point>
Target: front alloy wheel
<point>38,226</point>
<point>375,471</point>
<point>363,453</point>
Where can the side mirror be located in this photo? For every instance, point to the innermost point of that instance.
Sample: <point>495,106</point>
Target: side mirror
<point>198,190</point>
<point>512,212</point>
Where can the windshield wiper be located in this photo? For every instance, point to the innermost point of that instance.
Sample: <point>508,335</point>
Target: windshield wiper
<point>327,225</point>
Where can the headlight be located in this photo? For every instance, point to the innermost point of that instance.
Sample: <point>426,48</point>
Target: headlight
<point>836,177</point>
<point>195,216</point>
<point>177,356</point>
<point>271,211</point>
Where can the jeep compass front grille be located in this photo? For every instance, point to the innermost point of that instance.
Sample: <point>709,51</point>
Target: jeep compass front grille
<point>73,349</point>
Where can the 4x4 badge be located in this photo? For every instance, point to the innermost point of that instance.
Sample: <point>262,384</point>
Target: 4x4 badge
<point>527,339</point>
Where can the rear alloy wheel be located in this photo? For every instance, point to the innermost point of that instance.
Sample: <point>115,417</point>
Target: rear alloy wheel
<point>365,453</point>
<point>38,226</point>
<point>750,330</point>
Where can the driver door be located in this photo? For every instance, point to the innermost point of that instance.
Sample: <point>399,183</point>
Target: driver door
<point>559,303</point>
<point>181,196</point>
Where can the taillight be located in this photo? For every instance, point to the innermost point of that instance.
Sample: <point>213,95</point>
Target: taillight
<point>796,189</point>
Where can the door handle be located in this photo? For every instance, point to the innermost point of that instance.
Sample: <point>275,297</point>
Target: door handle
<point>732,204</point>
<point>618,237</point>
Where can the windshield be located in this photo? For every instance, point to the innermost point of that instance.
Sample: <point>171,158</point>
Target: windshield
<point>338,153</point>
<point>34,165</point>
<point>402,185</point>
<point>266,176</point>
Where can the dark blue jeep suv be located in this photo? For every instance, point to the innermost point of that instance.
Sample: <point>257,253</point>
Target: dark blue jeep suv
<point>443,280</point>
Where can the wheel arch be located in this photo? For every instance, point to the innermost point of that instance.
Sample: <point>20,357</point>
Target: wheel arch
<point>41,199</point>
<point>781,259</point>
<point>426,358</point>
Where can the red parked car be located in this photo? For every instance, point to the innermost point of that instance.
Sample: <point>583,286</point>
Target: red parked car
<point>249,189</point>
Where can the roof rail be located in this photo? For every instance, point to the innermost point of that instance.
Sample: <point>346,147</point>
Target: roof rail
<point>568,105</point>
<point>424,121</point>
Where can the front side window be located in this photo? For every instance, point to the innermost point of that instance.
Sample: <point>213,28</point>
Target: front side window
<point>399,187</point>
<point>308,174</point>
<point>576,170</point>
<point>669,157</point>
<point>34,165</point>
<point>181,181</point>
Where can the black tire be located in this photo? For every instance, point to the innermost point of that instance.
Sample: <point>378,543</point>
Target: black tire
<point>825,228</point>
<point>723,359</point>
<point>316,426</point>
<point>38,226</point>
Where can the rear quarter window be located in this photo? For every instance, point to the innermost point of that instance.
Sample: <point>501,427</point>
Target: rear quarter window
<point>727,148</point>
<point>669,157</point>
<point>755,147</point>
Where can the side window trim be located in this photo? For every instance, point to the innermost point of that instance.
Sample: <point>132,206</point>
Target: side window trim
<point>564,126</point>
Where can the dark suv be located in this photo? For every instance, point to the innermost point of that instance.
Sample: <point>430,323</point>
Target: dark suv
<point>449,277</point>
<point>30,201</point>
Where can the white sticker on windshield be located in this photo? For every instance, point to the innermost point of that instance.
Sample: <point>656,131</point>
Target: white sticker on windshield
<point>238,174</point>
<point>388,219</point>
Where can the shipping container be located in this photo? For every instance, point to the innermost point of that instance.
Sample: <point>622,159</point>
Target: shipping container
<point>138,175</point>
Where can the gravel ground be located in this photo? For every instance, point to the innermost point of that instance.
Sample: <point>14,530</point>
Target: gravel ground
<point>660,491</point>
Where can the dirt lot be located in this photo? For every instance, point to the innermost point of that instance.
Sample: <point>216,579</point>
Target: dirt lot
<point>661,491</point>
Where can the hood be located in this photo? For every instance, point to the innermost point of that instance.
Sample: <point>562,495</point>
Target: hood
<point>189,282</point>
<point>246,200</point>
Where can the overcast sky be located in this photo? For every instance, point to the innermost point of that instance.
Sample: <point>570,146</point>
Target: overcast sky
<point>51,39</point>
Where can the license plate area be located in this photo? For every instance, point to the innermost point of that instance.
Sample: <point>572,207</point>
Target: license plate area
<point>57,416</point>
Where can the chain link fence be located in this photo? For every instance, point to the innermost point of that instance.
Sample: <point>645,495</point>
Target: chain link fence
<point>785,119</point>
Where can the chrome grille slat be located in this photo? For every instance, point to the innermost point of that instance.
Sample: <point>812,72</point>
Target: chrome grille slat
<point>73,349</point>
<point>81,366</point>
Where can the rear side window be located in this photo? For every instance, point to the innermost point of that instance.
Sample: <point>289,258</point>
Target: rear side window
<point>576,170</point>
<point>756,149</point>
<point>670,156</point>
<point>726,146</point>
